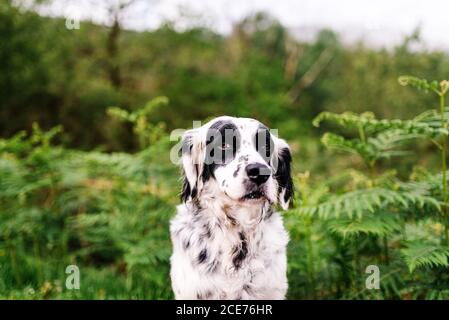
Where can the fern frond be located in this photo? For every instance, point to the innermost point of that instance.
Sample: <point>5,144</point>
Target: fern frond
<point>418,254</point>
<point>432,116</point>
<point>151,106</point>
<point>368,122</point>
<point>334,141</point>
<point>436,294</point>
<point>15,144</point>
<point>359,202</point>
<point>390,142</point>
<point>420,84</point>
<point>385,145</point>
<point>345,119</point>
<point>124,115</point>
<point>379,224</point>
<point>429,184</point>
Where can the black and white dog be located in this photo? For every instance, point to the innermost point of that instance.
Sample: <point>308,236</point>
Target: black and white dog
<point>227,241</point>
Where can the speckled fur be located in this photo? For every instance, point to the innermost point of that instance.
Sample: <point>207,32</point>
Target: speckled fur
<point>225,248</point>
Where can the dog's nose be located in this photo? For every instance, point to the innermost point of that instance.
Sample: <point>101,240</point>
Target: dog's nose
<point>258,173</point>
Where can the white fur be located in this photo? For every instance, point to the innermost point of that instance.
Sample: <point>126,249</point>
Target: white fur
<point>224,247</point>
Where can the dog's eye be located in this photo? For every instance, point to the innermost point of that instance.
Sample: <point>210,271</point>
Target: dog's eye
<point>264,144</point>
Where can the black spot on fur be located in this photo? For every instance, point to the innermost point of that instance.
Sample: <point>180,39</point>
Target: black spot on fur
<point>217,130</point>
<point>213,266</point>
<point>268,214</point>
<point>240,252</point>
<point>196,207</point>
<point>231,219</point>
<point>202,256</point>
<point>204,296</point>
<point>186,244</point>
<point>218,224</point>
<point>194,192</point>
<point>236,172</point>
<point>186,148</point>
<point>207,233</point>
<point>208,171</point>
<point>247,288</point>
<point>283,174</point>
<point>186,191</point>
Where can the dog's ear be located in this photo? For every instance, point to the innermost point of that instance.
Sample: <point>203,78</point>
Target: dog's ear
<point>283,174</point>
<point>191,153</point>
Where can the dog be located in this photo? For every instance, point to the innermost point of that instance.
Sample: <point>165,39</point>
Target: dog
<point>228,242</point>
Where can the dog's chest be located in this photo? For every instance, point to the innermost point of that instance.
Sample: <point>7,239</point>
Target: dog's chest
<point>229,262</point>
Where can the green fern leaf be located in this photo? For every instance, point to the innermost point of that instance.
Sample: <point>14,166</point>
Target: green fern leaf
<point>418,254</point>
<point>363,201</point>
<point>369,123</point>
<point>379,224</point>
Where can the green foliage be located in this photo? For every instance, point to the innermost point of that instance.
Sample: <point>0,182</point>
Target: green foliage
<point>422,84</point>
<point>357,203</point>
<point>418,255</point>
<point>143,128</point>
<point>381,224</point>
<point>57,76</point>
<point>100,211</point>
<point>369,123</point>
<point>377,218</point>
<point>369,199</point>
<point>385,145</point>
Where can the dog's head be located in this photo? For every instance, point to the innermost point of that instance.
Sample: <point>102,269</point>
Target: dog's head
<point>238,158</point>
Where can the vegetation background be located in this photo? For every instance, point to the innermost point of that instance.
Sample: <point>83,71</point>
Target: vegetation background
<point>85,176</point>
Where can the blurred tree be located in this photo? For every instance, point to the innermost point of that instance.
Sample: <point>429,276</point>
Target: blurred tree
<point>116,10</point>
<point>70,77</point>
<point>24,74</point>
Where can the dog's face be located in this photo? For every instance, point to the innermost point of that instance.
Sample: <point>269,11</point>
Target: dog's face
<point>239,158</point>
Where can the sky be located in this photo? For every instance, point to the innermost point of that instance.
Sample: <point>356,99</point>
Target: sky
<point>379,23</point>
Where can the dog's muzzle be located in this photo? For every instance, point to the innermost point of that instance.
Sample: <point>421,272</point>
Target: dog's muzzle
<point>258,173</point>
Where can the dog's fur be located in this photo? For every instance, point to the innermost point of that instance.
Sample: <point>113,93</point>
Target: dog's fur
<point>228,243</point>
